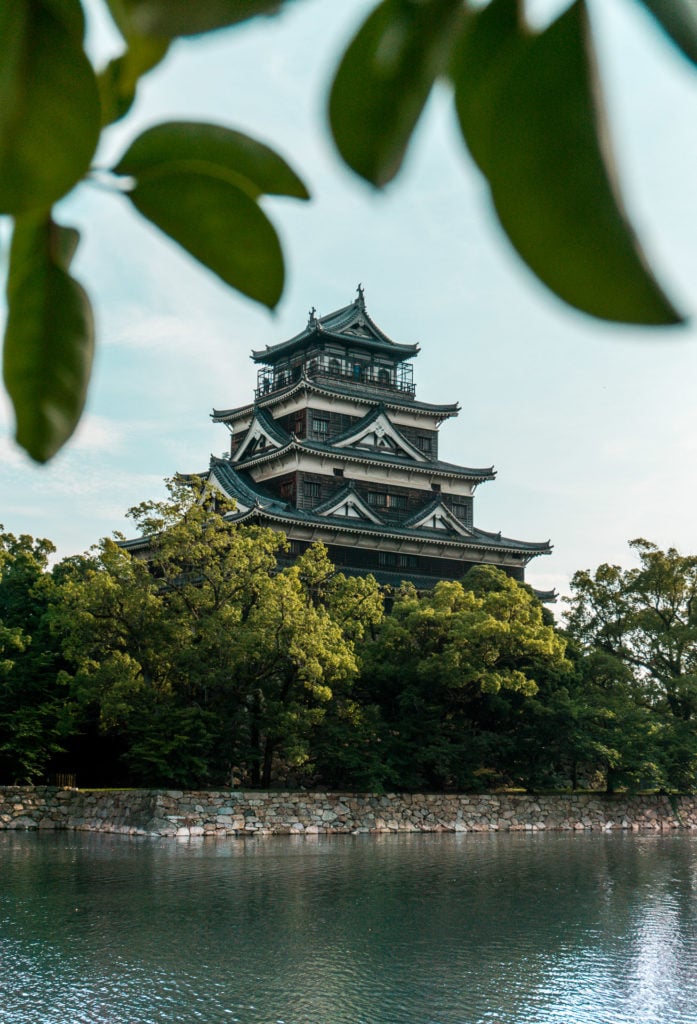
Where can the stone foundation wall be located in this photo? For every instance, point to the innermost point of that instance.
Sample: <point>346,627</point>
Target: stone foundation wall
<point>237,813</point>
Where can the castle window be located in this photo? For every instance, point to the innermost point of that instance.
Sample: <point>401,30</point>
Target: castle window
<point>377,498</point>
<point>338,472</point>
<point>425,444</point>
<point>460,510</point>
<point>320,425</point>
<point>397,501</point>
<point>287,490</point>
<point>435,487</point>
<point>391,560</point>
<point>311,489</point>
<point>381,500</point>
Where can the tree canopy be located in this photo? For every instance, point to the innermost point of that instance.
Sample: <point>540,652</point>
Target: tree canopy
<point>443,669</point>
<point>220,660</point>
<point>530,110</point>
<point>209,648</point>
<point>642,623</point>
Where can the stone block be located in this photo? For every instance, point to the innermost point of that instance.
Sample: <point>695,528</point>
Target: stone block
<point>23,823</point>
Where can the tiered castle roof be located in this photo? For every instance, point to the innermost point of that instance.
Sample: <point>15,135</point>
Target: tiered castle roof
<point>335,447</point>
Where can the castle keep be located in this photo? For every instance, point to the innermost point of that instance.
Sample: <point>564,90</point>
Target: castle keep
<point>336,448</point>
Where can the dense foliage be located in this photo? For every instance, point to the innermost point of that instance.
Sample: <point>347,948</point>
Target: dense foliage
<point>640,627</point>
<point>218,661</point>
<point>530,111</point>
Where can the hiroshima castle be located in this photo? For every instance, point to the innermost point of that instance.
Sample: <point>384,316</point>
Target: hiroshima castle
<point>336,448</point>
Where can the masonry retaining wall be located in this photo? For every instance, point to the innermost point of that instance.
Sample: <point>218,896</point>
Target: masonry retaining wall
<point>238,813</point>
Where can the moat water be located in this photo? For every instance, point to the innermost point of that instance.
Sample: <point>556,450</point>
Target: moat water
<point>430,929</point>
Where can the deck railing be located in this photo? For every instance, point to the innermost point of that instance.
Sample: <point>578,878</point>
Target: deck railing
<point>366,380</point>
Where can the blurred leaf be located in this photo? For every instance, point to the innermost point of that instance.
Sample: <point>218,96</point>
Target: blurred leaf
<point>218,223</point>
<point>260,169</point>
<point>170,18</point>
<point>679,19</point>
<point>553,180</point>
<point>384,80</point>
<point>49,103</point>
<point>118,81</point>
<point>71,14</point>
<point>49,337</point>
<point>490,42</point>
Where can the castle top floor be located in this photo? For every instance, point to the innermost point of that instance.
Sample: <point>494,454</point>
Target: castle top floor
<point>345,347</point>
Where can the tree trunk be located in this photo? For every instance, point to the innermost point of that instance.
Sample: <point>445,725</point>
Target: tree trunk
<point>269,748</point>
<point>255,742</point>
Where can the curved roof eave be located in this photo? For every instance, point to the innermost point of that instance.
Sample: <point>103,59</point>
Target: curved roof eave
<point>505,546</point>
<point>273,353</point>
<point>388,400</point>
<point>444,469</point>
<point>330,325</point>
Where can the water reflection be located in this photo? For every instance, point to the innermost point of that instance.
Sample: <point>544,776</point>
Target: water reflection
<point>456,929</point>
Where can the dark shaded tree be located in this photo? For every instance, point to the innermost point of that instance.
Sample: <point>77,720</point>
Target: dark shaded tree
<point>644,620</point>
<point>443,671</point>
<point>36,716</point>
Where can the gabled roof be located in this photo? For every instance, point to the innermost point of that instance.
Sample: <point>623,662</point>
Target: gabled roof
<point>362,456</point>
<point>347,504</point>
<point>239,486</point>
<point>476,540</point>
<point>437,516</point>
<point>377,432</point>
<point>393,400</point>
<point>264,434</point>
<point>257,504</point>
<point>350,325</point>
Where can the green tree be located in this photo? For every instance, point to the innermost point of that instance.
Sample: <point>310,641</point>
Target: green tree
<point>583,728</point>
<point>646,620</point>
<point>442,668</point>
<point>529,106</point>
<point>206,658</point>
<point>35,715</point>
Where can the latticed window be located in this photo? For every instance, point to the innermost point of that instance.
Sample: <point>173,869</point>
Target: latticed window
<point>320,425</point>
<point>392,560</point>
<point>311,489</point>
<point>461,510</point>
<point>379,499</point>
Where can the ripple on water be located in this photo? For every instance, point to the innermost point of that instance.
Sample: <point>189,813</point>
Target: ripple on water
<point>402,930</point>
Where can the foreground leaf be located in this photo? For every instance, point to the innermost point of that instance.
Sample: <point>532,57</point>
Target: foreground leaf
<point>218,223</point>
<point>49,337</point>
<point>71,14</point>
<point>491,41</point>
<point>49,103</point>
<point>170,18</point>
<point>679,19</point>
<point>553,181</point>
<point>384,80</point>
<point>118,81</point>
<point>259,168</point>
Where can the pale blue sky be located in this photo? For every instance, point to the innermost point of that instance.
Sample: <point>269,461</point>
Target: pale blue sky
<point>592,428</point>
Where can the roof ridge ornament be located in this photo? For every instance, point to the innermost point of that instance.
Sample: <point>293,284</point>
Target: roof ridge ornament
<point>312,317</point>
<point>360,301</point>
